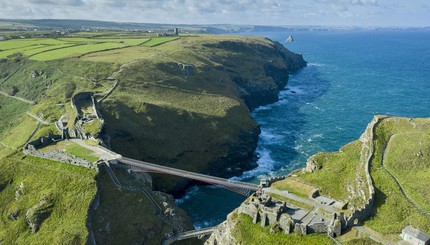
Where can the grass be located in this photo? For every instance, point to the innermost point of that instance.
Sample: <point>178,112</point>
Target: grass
<point>393,210</point>
<point>73,149</point>
<point>11,111</point>
<point>183,79</point>
<point>74,51</point>
<point>337,173</point>
<point>294,186</point>
<point>245,232</point>
<point>353,237</point>
<point>50,49</point>
<point>71,187</point>
<point>168,90</point>
<point>93,127</point>
<point>291,201</point>
<point>155,41</point>
<point>408,158</point>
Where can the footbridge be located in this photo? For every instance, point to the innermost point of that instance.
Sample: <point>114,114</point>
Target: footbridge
<point>189,234</point>
<point>242,188</point>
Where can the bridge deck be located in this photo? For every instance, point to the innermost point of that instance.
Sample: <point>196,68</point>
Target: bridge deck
<point>195,233</point>
<point>190,175</point>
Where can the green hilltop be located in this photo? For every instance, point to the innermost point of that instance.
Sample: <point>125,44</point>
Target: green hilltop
<point>180,101</point>
<point>399,167</point>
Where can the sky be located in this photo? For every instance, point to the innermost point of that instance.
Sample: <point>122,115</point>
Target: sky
<point>251,12</point>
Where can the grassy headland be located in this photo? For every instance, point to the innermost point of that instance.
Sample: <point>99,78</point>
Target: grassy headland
<point>182,102</point>
<point>399,168</point>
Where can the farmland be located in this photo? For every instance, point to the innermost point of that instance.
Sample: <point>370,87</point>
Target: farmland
<point>44,49</point>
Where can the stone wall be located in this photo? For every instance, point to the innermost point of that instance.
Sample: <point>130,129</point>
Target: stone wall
<point>267,182</point>
<point>271,212</point>
<point>362,213</point>
<point>56,155</point>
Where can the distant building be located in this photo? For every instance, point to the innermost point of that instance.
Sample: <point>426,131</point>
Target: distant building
<point>415,236</point>
<point>169,34</point>
<point>2,38</point>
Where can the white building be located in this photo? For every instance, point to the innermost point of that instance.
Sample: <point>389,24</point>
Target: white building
<point>415,236</point>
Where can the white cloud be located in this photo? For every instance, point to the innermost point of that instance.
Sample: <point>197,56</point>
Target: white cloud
<point>274,12</point>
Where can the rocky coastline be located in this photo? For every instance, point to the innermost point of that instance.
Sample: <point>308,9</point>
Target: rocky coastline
<point>249,71</point>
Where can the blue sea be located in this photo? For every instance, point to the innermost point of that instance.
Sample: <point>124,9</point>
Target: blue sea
<point>351,76</point>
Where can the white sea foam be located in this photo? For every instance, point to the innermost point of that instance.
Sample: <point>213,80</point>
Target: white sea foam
<point>315,64</point>
<point>204,224</point>
<point>292,90</point>
<point>193,191</point>
<point>263,108</point>
<point>270,137</point>
<point>315,136</point>
<point>265,165</point>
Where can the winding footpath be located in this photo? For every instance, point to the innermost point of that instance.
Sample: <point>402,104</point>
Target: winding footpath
<point>38,118</point>
<point>402,189</point>
<point>18,98</point>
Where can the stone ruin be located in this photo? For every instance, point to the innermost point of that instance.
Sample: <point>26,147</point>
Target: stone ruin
<point>289,218</point>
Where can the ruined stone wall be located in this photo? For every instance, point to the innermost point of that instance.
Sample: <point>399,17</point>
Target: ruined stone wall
<point>58,156</point>
<point>362,213</point>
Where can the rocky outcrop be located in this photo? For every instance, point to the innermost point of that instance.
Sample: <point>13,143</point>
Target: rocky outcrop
<point>223,234</point>
<point>41,211</point>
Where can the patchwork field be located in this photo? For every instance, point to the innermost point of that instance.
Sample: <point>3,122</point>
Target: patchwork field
<point>43,49</point>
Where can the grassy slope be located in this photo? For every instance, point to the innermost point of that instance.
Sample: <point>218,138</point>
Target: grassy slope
<point>157,96</point>
<point>180,88</point>
<point>393,210</point>
<point>410,164</point>
<point>72,188</point>
<point>337,173</point>
<point>407,157</point>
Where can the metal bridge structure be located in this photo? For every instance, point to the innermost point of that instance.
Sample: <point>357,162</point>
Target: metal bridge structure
<point>241,188</point>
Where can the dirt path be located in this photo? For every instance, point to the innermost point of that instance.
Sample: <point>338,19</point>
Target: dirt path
<point>38,118</point>
<point>3,144</point>
<point>302,200</point>
<point>18,98</point>
<point>373,235</point>
<point>402,189</point>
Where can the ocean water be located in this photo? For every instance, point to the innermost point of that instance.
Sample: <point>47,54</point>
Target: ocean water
<point>350,77</point>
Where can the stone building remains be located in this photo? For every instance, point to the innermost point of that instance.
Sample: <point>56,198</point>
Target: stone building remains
<point>415,236</point>
<point>289,218</point>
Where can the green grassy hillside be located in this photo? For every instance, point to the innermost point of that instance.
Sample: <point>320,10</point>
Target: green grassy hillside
<point>183,102</point>
<point>401,152</point>
<point>25,181</point>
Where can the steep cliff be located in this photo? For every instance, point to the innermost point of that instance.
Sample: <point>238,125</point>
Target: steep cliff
<point>190,109</point>
<point>185,103</point>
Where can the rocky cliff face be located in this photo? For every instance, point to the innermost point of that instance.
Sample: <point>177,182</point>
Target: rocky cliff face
<point>223,234</point>
<point>191,110</point>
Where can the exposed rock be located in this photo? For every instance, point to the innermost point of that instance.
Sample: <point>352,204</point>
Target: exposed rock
<point>173,212</point>
<point>41,211</point>
<point>312,165</point>
<point>20,192</point>
<point>13,215</point>
<point>223,235</point>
